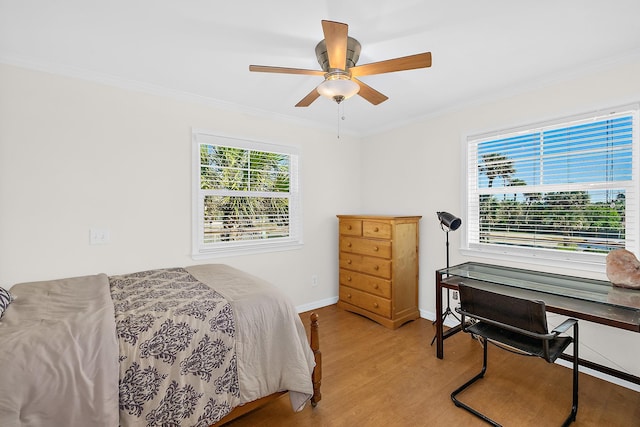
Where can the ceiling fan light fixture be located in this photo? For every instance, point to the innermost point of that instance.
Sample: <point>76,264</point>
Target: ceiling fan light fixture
<point>338,86</point>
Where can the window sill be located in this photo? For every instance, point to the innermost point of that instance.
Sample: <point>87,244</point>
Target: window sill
<point>592,263</point>
<point>244,250</point>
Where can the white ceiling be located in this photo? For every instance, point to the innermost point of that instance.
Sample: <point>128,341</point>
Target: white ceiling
<point>202,49</point>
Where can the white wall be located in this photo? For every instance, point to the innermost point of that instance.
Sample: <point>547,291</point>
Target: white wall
<point>76,155</point>
<point>417,170</point>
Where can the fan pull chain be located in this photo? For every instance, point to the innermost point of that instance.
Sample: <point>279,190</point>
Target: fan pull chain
<point>340,116</point>
<point>339,121</point>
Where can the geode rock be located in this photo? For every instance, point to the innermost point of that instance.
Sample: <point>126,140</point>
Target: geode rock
<point>623,269</point>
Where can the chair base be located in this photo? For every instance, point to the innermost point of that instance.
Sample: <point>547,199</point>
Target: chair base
<point>571,418</point>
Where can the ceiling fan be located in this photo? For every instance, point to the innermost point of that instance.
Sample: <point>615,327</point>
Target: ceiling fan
<point>337,55</point>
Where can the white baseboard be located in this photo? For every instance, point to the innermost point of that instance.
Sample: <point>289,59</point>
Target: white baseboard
<point>429,315</point>
<point>316,304</point>
<point>601,375</point>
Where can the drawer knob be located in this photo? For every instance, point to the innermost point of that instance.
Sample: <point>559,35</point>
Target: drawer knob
<point>348,261</point>
<point>375,286</point>
<point>349,227</point>
<point>376,268</point>
<point>376,248</point>
<point>375,304</point>
<point>348,278</point>
<point>349,244</point>
<point>376,229</point>
<point>349,296</point>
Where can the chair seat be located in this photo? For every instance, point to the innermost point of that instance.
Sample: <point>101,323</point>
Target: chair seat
<point>521,342</point>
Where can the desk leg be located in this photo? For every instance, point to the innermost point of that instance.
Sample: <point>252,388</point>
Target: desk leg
<point>439,319</point>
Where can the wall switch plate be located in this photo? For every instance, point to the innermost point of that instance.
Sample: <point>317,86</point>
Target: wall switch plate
<point>314,280</point>
<point>99,236</point>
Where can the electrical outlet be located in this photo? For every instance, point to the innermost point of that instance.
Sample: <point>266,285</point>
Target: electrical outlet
<point>314,280</point>
<point>455,295</point>
<point>99,236</point>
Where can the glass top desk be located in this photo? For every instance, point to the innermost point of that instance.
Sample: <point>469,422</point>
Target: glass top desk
<point>587,299</point>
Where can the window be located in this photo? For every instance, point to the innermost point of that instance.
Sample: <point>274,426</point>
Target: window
<point>246,196</point>
<point>565,191</point>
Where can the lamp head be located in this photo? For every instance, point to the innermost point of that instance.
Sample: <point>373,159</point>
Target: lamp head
<point>448,220</point>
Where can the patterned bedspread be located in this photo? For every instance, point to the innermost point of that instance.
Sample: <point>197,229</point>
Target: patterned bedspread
<point>178,363</point>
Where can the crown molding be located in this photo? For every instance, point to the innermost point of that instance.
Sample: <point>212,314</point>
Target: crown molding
<point>150,89</point>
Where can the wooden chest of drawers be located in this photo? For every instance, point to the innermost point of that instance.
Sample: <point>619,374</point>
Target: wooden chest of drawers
<point>379,267</point>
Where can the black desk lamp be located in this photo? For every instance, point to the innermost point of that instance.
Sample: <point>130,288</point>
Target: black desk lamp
<point>448,222</point>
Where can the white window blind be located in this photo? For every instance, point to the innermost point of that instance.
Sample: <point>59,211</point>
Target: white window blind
<point>565,190</point>
<point>246,196</point>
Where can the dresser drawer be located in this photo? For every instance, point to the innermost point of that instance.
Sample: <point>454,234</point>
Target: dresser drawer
<point>363,282</point>
<point>350,261</point>
<point>351,227</point>
<point>377,248</point>
<point>380,267</point>
<point>378,230</point>
<point>372,303</point>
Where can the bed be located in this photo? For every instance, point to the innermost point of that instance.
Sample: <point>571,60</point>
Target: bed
<point>194,346</point>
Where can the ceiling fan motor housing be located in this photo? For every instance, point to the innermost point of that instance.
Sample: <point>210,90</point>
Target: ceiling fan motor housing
<point>353,53</point>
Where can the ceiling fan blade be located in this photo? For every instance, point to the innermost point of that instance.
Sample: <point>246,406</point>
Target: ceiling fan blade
<point>335,36</point>
<point>411,62</point>
<point>307,100</point>
<point>284,70</point>
<point>370,94</point>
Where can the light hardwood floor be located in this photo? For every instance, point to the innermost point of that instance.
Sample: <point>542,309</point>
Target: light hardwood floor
<point>374,376</point>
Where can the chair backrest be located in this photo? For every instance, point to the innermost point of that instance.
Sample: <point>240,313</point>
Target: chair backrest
<point>521,313</point>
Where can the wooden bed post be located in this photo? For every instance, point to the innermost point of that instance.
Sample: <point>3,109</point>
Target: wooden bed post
<point>316,376</point>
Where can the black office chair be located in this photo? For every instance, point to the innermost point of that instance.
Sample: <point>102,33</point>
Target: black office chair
<point>518,325</point>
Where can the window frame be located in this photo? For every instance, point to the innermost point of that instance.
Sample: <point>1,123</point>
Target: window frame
<point>553,258</point>
<point>201,250</point>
